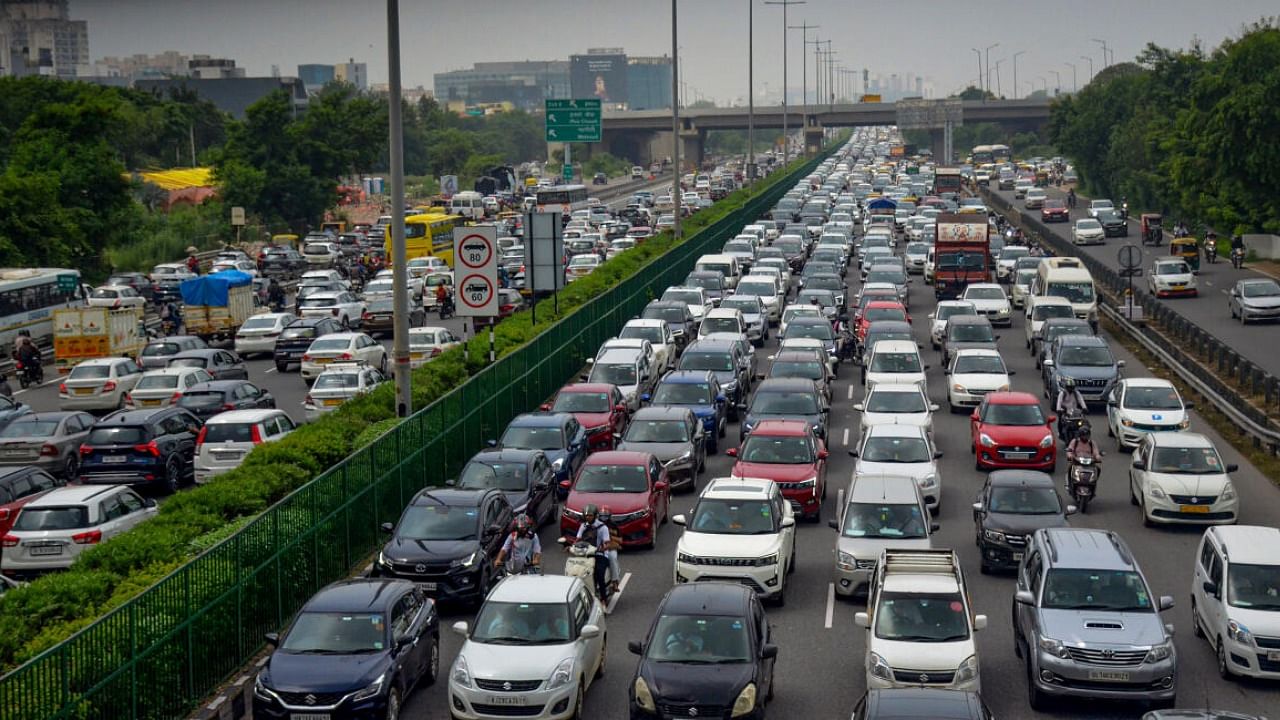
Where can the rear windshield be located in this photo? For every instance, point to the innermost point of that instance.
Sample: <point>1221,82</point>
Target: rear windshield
<point>23,427</point>
<point>117,435</point>
<point>195,362</point>
<point>161,349</point>
<point>153,382</point>
<point>299,332</point>
<point>91,372</point>
<point>228,432</point>
<point>52,518</point>
<point>258,323</point>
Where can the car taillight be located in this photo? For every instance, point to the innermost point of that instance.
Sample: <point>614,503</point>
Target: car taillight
<point>109,386</point>
<point>175,397</point>
<point>306,357</point>
<point>366,315</point>
<point>48,450</point>
<point>9,541</point>
<point>255,434</point>
<point>226,406</point>
<point>345,356</point>
<point>116,304</point>
<point>150,448</point>
<point>85,449</point>
<point>4,514</point>
<point>436,351</point>
<point>62,388</point>
<point>308,400</point>
<point>93,537</point>
<point>204,431</point>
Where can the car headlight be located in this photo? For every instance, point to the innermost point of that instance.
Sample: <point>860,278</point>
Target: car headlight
<point>644,698</point>
<point>562,675</point>
<point>1156,492</point>
<point>986,440</point>
<point>1047,441</point>
<point>372,690</point>
<point>994,536</point>
<point>1237,631</point>
<point>1228,491</point>
<point>594,430</point>
<point>746,701</point>
<point>928,481</point>
<point>878,667</point>
<point>1159,652</point>
<point>629,517</point>
<point>261,690</point>
<point>468,561</point>
<point>1126,422</point>
<point>1054,647</point>
<point>461,674</point>
<point>968,669</point>
<point>1003,388</point>
<point>846,561</point>
<point>958,388</point>
<point>557,464</point>
<point>382,559</point>
<point>767,560</point>
<point>1186,423</point>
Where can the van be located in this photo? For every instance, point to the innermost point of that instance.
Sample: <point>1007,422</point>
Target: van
<point>1067,277</point>
<point>1040,309</point>
<point>469,204</point>
<point>895,498</point>
<point>726,265</point>
<point>1236,581</point>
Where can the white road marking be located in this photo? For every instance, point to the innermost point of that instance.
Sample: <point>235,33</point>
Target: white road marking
<point>850,392</point>
<point>831,603</point>
<point>622,585</point>
<point>846,437</point>
<point>269,370</point>
<point>46,383</point>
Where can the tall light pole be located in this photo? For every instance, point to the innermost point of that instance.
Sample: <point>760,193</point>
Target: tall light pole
<point>786,145</point>
<point>999,89</point>
<point>987,55</point>
<point>675,119</point>
<point>399,269</point>
<point>1015,72</point>
<point>1075,86</point>
<point>817,67</point>
<point>751,94</point>
<point>1044,85</point>
<point>1086,57</point>
<point>804,29</point>
<point>979,54</point>
<point>1057,82</point>
<point>1105,62</point>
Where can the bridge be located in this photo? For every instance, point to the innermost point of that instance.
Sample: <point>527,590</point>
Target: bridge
<point>646,134</point>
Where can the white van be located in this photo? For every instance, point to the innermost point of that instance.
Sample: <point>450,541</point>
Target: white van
<point>1233,598</point>
<point>1067,277</point>
<point>1040,309</point>
<point>469,204</point>
<point>726,265</point>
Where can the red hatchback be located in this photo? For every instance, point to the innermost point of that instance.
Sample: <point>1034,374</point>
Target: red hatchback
<point>633,485</point>
<point>598,407</point>
<point>880,310</point>
<point>1010,431</point>
<point>789,453</point>
<point>1054,211</point>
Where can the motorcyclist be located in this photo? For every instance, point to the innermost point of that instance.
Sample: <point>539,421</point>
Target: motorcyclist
<point>29,355</point>
<point>19,340</point>
<point>1237,247</point>
<point>594,531</point>
<point>521,548</point>
<point>169,317</point>
<point>1211,246</point>
<point>615,544</point>
<point>1083,446</point>
<point>1071,198</point>
<point>443,300</point>
<point>275,295</point>
<point>1124,207</point>
<point>1069,402</point>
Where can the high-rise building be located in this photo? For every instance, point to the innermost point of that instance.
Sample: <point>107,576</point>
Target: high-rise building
<point>38,37</point>
<point>316,76</point>
<point>525,84</point>
<point>352,72</point>
<point>211,68</point>
<point>649,83</point>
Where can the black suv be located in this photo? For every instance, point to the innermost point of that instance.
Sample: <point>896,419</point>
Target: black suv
<point>282,262</point>
<point>297,337</point>
<point>1011,506</point>
<point>156,447</point>
<point>921,704</point>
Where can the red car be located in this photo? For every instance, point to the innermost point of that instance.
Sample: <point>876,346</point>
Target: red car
<point>633,485</point>
<point>1054,211</point>
<point>789,453</point>
<point>880,310</point>
<point>598,407</point>
<point>19,486</point>
<point>1009,431</point>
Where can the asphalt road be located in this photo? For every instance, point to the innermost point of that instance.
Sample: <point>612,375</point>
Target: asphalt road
<point>820,663</point>
<point>1208,310</point>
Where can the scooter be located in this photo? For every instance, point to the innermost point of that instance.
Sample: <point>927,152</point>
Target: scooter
<point>1211,252</point>
<point>581,564</point>
<point>1072,421</point>
<point>1237,258</point>
<point>29,374</point>
<point>1082,481</point>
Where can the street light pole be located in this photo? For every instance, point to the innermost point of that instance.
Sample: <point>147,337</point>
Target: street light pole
<point>786,145</point>
<point>399,270</point>
<point>988,57</point>
<point>979,54</point>
<point>804,29</point>
<point>1075,86</point>
<point>829,56</point>
<point>1105,62</point>
<point>999,89</point>
<point>1057,82</point>
<point>675,120</point>
<point>751,90</point>
<point>1015,72</point>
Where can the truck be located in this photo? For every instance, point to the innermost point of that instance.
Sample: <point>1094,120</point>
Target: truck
<point>947,180</point>
<point>85,333</point>
<point>962,253</point>
<point>215,305</point>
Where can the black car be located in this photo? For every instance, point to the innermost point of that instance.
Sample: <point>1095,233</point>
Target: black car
<point>136,280</point>
<point>724,359</point>
<point>283,262</point>
<point>1112,224</point>
<point>446,541</point>
<point>206,399</point>
<point>298,336</point>
<point>357,649</point>
<point>1011,506</point>
<point>708,653</point>
<point>600,179</point>
<point>525,478</point>
<point>154,447</point>
<point>921,704</point>
<point>379,316</point>
<point>678,318</point>
<point>787,399</point>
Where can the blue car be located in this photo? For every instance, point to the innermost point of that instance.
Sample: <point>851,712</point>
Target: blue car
<point>699,391</point>
<point>559,435</point>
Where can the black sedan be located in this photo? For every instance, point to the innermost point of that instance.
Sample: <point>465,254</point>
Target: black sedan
<point>1113,225</point>
<point>1011,506</point>
<point>355,650</point>
<point>708,653</point>
<point>525,477</point>
<point>206,399</point>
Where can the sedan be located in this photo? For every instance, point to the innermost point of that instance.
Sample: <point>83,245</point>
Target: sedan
<point>98,384</point>
<point>161,388</point>
<point>559,435</point>
<point>938,318</point>
<point>633,485</point>
<point>204,400</point>
<point>887,404</point>
<point>581,266</point>
<point>1179,478</point>
<point>1138,406</point>
<point>1255,299</point>
<point>598,407</point>
<point>524,477</point>
<point>48,440</point>
<point>221,364</point>
<point>116,296</point>
<point>429,342</point>
<point>258,334</point>
<point>1171,277</point>
<point>136,280</point>
<point>1054,211</point>
<point>379,316</point>
<point>1096,205</point>
<point>342,347</point>
<point>1088,231</point>
<point>1009,430</point>
<point>990,302</point>
<point>1113,225</point>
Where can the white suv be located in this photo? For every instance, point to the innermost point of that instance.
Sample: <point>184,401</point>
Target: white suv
<point>1234,603</point>
<point>742,530</point>
<point>52,530</point>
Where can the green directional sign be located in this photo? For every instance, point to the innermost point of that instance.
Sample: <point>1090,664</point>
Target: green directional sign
<point>67,283</point>
<point>573,120</point>
<point>567,172</point>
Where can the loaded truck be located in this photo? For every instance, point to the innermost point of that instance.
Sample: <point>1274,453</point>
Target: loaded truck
<point>215,305</point>
<point>962,254</point>
<point>86,333</point>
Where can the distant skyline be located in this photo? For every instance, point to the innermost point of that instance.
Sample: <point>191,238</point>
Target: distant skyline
<point>934,40</point>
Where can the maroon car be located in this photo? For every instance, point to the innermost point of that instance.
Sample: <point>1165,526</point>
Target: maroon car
<point>599,408</point>
<point>789,453</point>
<point>633,485</point>
<point>19,486</point>
<point>1054,211</point>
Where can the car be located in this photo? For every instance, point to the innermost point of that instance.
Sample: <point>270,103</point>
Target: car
<point>1138,406</point>
<point>98,384</point>
<point>741,530</point>
<point>537,642</point>
<point>337,383</point>
<point>719,320</point>
<point>1171,277</point>
<point>282,262</point>
<point>55,527</point>
<point>1254,299</point>
<point>136,280</point>
<point>678,318</point>
<point>1054,328</point>
<point>990,301</point>
<point>558,434</point>
<point>258,334</point>
<point>790,399</point>
<point>920,703</point>
<point>581,266</point>
<point>1020,286</point>
<point>116,296</point>
<point>446,541</point>
<point>1088,231</point>
<point>886,403</point>
<point>877,512</point>
<point>1113,223</point>
<point>1099,204</point>
<point>297,337</point>
<point>711,282</point>
<point>165,280</point>
<point>163,388</point>
<point>1039,309</point>
<point>972,374</point>
<point>47,441</point>
<point>895,276</point>
<point>1233,599</point>
<point>792,455</point>
<point>204,400</point>
<point>1012,505</point>
<point>754,314</point>
<point>1087,361</point>
<point>916,254</point>
<point>729,361</point>
<point>1054,211</point>
<point>805,364</point>
<point>430,284</point>
<point>228,437</point>
<point>19,486</point>
<point>156,354</point>
<point>342,347</point>
<point>674,435</point>
<point>1008,260</point>
<point>524,476</point>
<point>1082,610</point>
<point>598,407</point>
<point>694,297</point>
<point>768,290</point>
<point>1035,198</point>
<point>1179,478</point>
<point>342,306</point>
<point>321,254</point>
<point>628,369</point>
<point>153,447</point>
<point>221,364</point>
<point>248,267</point>
<point>356,649</point>
<point>821,330</point>
<point>379,316</point>
<point>894,361</point>
<point>634,486</point>
<point>317,287</point>
<point>967,331</point>
<point>658,334</point>
<point>877,310</point>
<point>1008,430</point>
<point>709,651</point>
<point>941,313</point>
<point>700,392</point>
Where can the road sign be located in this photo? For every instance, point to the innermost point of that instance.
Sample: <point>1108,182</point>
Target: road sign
<point>544,251</point>
<point>1130,256</point>
<point>237,216</point>
<point>573,120</point>
<point>67,283</point>
<point>476,271</point>
<point>567,172</point>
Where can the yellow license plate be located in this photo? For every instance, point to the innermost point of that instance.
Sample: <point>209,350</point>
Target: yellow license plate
<point>149,403</point>
<point>329,402</point>
<point>322,361</point>
<point>84,391</point>
<point>417,356</point>
<point>1194,508</point>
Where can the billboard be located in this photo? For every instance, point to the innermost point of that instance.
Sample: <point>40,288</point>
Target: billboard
<point>599,75</point>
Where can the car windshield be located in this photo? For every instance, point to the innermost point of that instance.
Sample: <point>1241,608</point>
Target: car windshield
<point>480,475</point>
<point>155,349</point>
<point>809,370</point>
<point>917,248</point>
<point>784,403</point>
<point>59,518</point>
<point>635,332</point>
<point>700,640</point>
<point>512,623</point>
<point>1172,268</point>
<point>157,382</point>
<point>438,522</point>
<point>714,361</point>
<point>336,633</point>
<point>593,402</point>
<point>863,520</point>
<point>1027,414</point>
<point>970,332</point>
<point>1075,292</point>
<point>657,431</point>
<point>978,365</point>
<point>706,282</point>
<point>897,277</point>
<point>1266,288</point>
<point>812,330</point>
<point>777,450</point>
<point>259,323</point>
<point>737,247</point>
<point>1025,276</point>
<point>90,372</point>
<point>533,438</point>
<point>823,282</point>
<point>1013,252</point>
<point>1249,586</point>
<point>614,374</point>
<point>889,401</point>
<point>612,479</point>
<point>888,362</point>
<point>720,324</point>
<point>681,393</point>
<point>1085,356</point>
<point>337,381</point>
<point>873,314</point>
<point>984,293</point>
<point>1108,590</point>
<point>298,332</point>
<point>688,297</point>
<point>896,450</point>
<point>195,362</point>
<point>669,314</point>
<point>946,311</point>
<point>921,617</point>
<point>733,517</point>
<point>1152,398</point>
<point>746,306</point>
<point>317,302</point>
<point>759,289</point>
<point>1045,312</point>
<point>1186,461</point>
<point>29,427</point>
<point>1024,501</point>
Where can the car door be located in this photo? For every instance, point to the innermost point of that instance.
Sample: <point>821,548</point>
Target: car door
<point>1115,401</point>
<point>587,611</point>
<point>127,373</point>
<point>135,510</point>
<point>1029,579</point>
<point>541,485</point>
<point>1138,475</point>
<point>406,650</point>
<point>233,367</point>
<point>181,430</point>
<point>762,631</point>
<point>577,445</point>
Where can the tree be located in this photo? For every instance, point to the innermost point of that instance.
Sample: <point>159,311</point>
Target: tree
<point>973,93</point>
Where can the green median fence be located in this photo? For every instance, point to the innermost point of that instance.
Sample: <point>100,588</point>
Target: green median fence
<point>159,654</point>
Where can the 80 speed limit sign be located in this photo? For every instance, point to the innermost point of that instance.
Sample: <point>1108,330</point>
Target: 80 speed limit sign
<point>475,262</point>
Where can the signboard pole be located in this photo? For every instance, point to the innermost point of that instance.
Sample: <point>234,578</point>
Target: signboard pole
<point>400,272</point>
<point>492,356</point>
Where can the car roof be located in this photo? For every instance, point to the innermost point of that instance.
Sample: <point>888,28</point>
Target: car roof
<point>894,430</point>
<point>687,377</point>
<point>707,598</point>
<point>1147,382</point>
<point>1050,299</point>
<point>737,487</point>
<point>587,388</point>
<point>356,594</point>
<point>172,370</point>
<point>1089,340</point>
<point>173,339</point>
<point>879,326</point>
<point>1020,478</point>
<point>1012,398</point>
<point>1180,439</point>
<point>923,704</point>
<point>452,497</point>
<point>967,320</point>
<point>986,352</point>
<point>709,344</point>
<point>786,385</point>
<point>73,495</point>
<point>618,457</point>
<point>782,428</point>
<point>130,417</point>
<point>618,355</point>
<point>505,455</point>
<point>885,304</point>
<point>540,419</point>
<point>243,416</point>
<point>895,387</point>
<point>196,352</point>
<point>1088,548</point>
<point>661,412</point>
<point>895,346</point>
<point>724,312</point>
<point>533,589</point>
<point>896,489</point>
<point>1251,544</point>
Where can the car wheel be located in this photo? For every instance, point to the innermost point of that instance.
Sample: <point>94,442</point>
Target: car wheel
<point>281,367</point>
<point>346,323</point>
<point>577,703</point>
<point>433,664</point>
<point>172,474</point>
<point>1133,497</point>
<point>1035,698</point>
<point>1224,667</point>
<point>72,467</point>
<point>383,366</point>
<point>604,655</point>
<point>1196,627</point>
<point>393,704</point>
<point>780,600</point>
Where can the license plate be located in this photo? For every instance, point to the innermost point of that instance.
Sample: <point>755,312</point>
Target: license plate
<point>16,452</point>
<point>1017,557</point>
<point>148,403</point>
<point>429,586</point>
<point>84,391</point>
<point>1084,491</point>
<point>322,361</point>
<point>44,550</point>
<point>330,402</point>
<point>1194,508</point>
<point>1109,675</point>
<point>1017,455</point>
<point>115,459</point>
<point>417,356</point>
<point>227,455</point>
<point>1273,655</point>
<point>506,700</point>
<point>309,716</point>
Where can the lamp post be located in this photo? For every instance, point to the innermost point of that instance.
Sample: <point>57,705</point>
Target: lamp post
<point>1106,63</point>
<point>751,99</point>
<point>804,29</point>
<point>675,119</point>
<point>399,269</point>
<point>1015,72</point>
<point>979,54</point>
<point>1057,82</point>
<point>786,145</point>
<point>999,89</point>
<point>1075,86</point>
<point>1090,60</point>
<point>987,54</point>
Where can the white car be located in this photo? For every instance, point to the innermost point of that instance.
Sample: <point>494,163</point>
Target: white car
<point>52,530</point>
<point>537,643</point>
<point>338,383</point>
<point>248,267</point>
<point>170,273</point>
<point>765,288</point>
<point>1008,260</point>
<point>1137,406</point>
<point>344,307</point>
<point>1088,231</point>
<point>804,343</point>
<point>619,246</point>
<point>378,288</point>
<point>342,347</point>
<point>695,297</point>
<point>161,388</point>
<point>644,347</point>
<point>916,255</point>
<point>228,437</point>
<point>581,266</point>
<point>1178,477</point>
<point>321,254</point>
<point>1096,205</point>
<point>98,384</point>
<point>116,296</point>
<point>938,318</point>
<point>887,404</point>
<point>1170,276</point>
<point>973,373</point>
<point>323,276</point>
<point>658,333</point>
<point>629,369</point>
<point>259,333</point>
<point>990,302</point>
<point>1020,287</point>
<point>896,362</point>
<point>754,315</point>
<point>902,450</point>
<point>794,311</point>
<point>428,342</point>
<point>719,320</point>
<point>741,529</point>
<point>427,291</point>
<point>1035,198</point>
<point>1233,598</point>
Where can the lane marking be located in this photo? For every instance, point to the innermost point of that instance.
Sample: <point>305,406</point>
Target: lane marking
<point>622,585</point>
<point>269,370</point>
<point>850,392</point>
<point>44,384</point>
<point>846,437</point>
<point>831,603</point>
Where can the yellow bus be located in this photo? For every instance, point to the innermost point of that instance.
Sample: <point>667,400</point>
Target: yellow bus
<point>429,234</point>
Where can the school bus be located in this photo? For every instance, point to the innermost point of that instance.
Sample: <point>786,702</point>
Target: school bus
<point>429,234</point>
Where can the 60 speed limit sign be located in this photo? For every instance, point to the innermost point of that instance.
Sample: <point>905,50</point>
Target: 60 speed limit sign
<point>475,262</point>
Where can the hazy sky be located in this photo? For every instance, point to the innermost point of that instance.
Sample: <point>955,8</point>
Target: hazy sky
<point>931,39</point>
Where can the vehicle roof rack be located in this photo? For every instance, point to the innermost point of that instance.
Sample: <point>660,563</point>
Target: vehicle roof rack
<point>920,562</point>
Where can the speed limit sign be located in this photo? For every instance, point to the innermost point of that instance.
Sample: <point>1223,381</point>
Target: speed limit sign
<point>476,271</point>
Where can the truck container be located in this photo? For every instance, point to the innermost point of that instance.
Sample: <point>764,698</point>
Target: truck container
<point>95,332</point>
<point>962,254</point>
<point>215,305</point>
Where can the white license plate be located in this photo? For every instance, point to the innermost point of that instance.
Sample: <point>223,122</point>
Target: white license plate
<point>44,550</point>
<point>1109,676</point>
<point>1273,655</point>
<point>506,700</point>
<point>115,459</point>
<point>16,452</point>
<point>309,716</point>
<point>1017,455</point>
<point>1017,557</point>
<point>227,455</point>
<point>429,586</point>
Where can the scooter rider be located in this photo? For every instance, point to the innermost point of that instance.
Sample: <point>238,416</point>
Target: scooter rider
<point>522,547</point>
<point>1069,400</point>
<point>615,544</point>
<point>1083,446</point>
<point>444,302</point>
<point>596,532</point>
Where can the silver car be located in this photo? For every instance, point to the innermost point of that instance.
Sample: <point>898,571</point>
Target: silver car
<point>48,440</point>
<point>882,511</point>
<point>1255,299</point>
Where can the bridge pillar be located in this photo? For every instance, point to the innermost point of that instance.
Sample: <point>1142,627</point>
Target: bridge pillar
<point>692,146</point>
<point>937,143</point>
<point>813,135</point>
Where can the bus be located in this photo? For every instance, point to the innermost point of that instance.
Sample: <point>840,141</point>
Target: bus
<point>1001,153</point>
<point>564,199</point>
<point>429,234</point>
<point>947,180</point>
<point>982,155</point>
<point>28,297</point>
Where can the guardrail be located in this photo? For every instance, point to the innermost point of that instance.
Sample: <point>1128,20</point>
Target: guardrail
<point>1181,344</point>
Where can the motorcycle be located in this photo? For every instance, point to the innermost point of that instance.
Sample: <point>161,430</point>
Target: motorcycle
<point>1072,421</point>
<point>1211,252</point>
<point>1237,258</point>
<point>581,564</point>
<point>29,373</point>
<point>446,308</point>
<point>1082,480</point>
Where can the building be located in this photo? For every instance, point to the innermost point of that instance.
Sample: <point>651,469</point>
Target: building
<point>525,84</point>
<point>210,68</point>
<point>169,63</point>
<point>649,83</point>
<point>230,94</point>
<point>315,76</point>
<point>38,37</point>
<point>353,73</point>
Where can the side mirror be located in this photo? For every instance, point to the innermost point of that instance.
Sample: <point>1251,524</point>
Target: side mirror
<point>1119,363</point>
<point>1051,419</point>
<point>583,377</point>
<point>678,520</point>
<point>788,522</point>
<point>862,620</point>
<point>645,397</point>
<point>566,484</point>
<point>661,485</point>
<point>973,415</point>
<point>934,527</point>
<point>1166,603</point>
<point>1139,464</point>
<point>1210,588</point>
<point>545,407</point>
<point>721,398</point>
<point>461,628</point>
<point>768,652</point>
<point>591,361</point>
<point>1188,406</point>
<point>635,647</point>
<point>388,527</point>
<point>1232,467</point>
<point>823,454</point>
<point>616,436</point>
<point>589,631</point>
<point>1011,372</point>
<point>979,622</point>
<point>859,407</point>
<point>1072,510</point>
<point>853,453</point>
<point>742,406</point>
<point>937,454</point>
<point>620,408</point>
<point>451,482</point>
<point>833,524</point>
<point>933,407</point>
<point>149,502</point>
<point>1047,362</point>
<point>1024,597</point>
<point>491,443</point>
<point>273,639</point>
<point>945,371</point>
<point>731,452</point>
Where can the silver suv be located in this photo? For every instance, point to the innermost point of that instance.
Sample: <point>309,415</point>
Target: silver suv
<point>1086,624</point>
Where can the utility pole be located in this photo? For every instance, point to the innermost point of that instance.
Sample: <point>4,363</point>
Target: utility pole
<point>999,89</point>
<point>675,120</point>
<point>979,54</point>
<point>399,271</point>
<point>1075,86</point>
<point>1015,73</point>
<point>1105,62</point>
<point>817,69</point>
<point>751,91</point>
<point>1086,57</point>
<point>828,57</point>
<point>988,56</point>
<point>1057,82</point>
<point>786,144</point>
<point>804,29</point>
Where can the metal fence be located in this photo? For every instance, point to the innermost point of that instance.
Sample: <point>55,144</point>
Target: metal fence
<point>158,654</point>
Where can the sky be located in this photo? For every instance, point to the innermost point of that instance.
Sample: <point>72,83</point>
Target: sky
<point>927,38</point>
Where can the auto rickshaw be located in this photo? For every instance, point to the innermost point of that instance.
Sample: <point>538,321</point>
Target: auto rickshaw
<point>1152,228</point>
<point>1188,249</point>
<point>1042,178</point>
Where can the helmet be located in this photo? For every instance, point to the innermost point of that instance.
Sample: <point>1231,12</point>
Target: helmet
<point>524,525</point>
<point>605,514</point>
<point>1068,383</point>
<point>590,511</point>
<point>1084,431</point>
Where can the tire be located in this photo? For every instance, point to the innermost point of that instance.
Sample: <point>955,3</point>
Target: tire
<point>172,474</point>
<point>281,367</point>
<point>1035,698</point>
<point>346,323</point>
<point>383,366</point>
<point>577,703</point>
<point>1133,497</point>
<point>1084,505</point>
<point>71,468</point>
<point>780,600</point>
<point>433,665</point>
<point>1196,627</point>
<point>393,704</point>
<point>1224,667</point>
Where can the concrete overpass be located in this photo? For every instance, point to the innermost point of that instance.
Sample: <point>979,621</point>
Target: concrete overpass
<point>646,134</point>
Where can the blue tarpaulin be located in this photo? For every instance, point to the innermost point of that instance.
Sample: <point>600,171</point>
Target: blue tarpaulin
<point>212,289</point>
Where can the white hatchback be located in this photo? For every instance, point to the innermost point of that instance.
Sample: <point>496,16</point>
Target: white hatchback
<point>227,438</point>
<point>1137,406</point>
<point>259,333</point>
<point>973,373</point>
<point>116,296</point>
<point>888,404</point>
<point>52,530</point>
<point>1178,477</point>
<point>337,384</point>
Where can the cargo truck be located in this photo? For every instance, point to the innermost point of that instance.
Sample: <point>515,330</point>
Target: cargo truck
<point>215,305</point>
<point>962,254</point>
<point>95,332</point>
